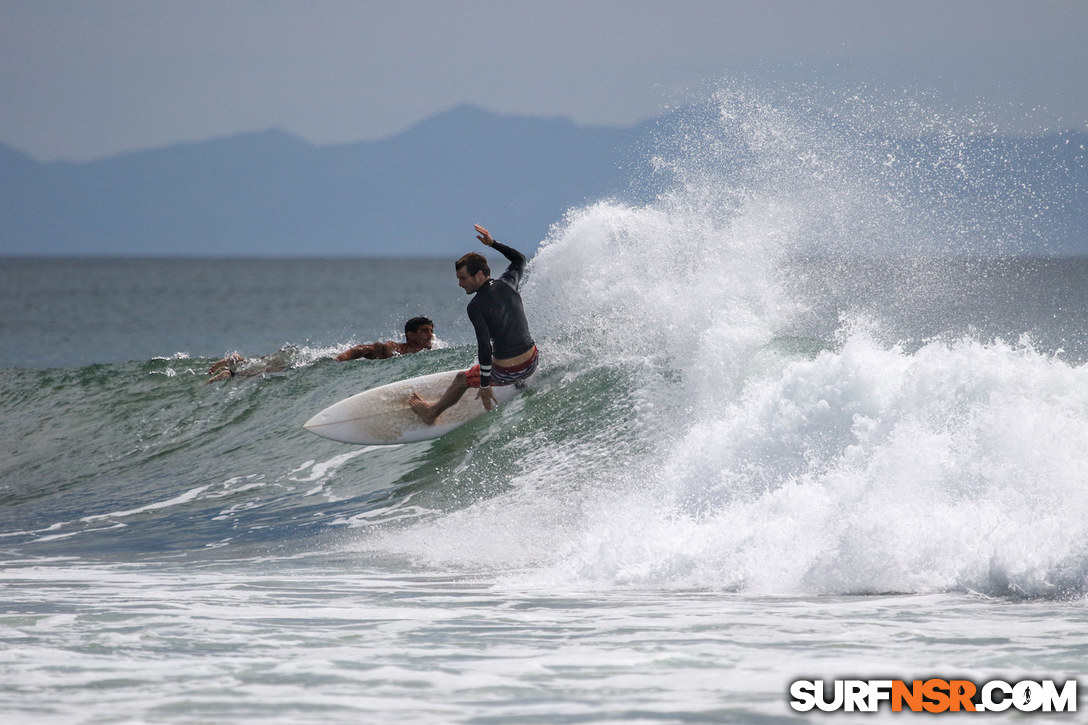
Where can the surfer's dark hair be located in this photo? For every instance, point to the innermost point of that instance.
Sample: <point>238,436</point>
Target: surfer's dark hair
<point>473,262</point>
<point>415,323</point>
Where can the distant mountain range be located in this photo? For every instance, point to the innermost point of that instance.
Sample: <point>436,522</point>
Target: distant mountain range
<point>270,194</point>
<point>413,195</point>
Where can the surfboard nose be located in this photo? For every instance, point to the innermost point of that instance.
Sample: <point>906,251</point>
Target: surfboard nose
<point>317,421</point>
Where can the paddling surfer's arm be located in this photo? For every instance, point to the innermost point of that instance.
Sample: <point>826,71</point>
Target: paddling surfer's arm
<point>371,351</point>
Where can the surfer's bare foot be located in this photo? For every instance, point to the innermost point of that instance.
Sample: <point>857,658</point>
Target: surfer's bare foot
<point>419,405</point>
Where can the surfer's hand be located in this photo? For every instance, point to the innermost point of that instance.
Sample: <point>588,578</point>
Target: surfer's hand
<point>484,236</point>
<point>487,398</point>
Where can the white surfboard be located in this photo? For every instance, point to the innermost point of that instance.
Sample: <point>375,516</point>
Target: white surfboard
<point>382,416</point>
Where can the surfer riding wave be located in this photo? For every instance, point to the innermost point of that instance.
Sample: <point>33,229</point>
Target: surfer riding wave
<point>505,349</point>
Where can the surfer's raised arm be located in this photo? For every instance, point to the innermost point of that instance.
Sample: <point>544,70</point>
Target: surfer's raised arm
<point>518,261</point>
<point>484,236</point>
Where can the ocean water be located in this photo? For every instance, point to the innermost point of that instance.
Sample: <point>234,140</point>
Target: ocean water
<point>798,417</point>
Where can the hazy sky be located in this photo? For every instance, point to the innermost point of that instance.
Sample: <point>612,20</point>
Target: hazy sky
<point>82,79</point>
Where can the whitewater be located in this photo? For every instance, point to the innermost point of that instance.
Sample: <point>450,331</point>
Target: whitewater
<point>802,413</point>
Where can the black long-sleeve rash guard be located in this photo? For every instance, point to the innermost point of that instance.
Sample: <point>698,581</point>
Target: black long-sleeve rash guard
<point>498,316</point>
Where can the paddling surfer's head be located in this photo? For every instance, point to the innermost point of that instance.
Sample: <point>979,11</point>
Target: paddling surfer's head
<point>419,332</point>
<point>472,272</point>
<point>415,323</point>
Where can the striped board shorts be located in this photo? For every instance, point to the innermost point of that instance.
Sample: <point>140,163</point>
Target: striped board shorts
<point>505,376</point>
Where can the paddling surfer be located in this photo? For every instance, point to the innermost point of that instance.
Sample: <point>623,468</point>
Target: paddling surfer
<point>418,336</point>
<point>505,349</point>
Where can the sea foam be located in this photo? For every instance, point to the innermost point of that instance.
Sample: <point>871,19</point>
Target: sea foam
<point>721,458</point>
